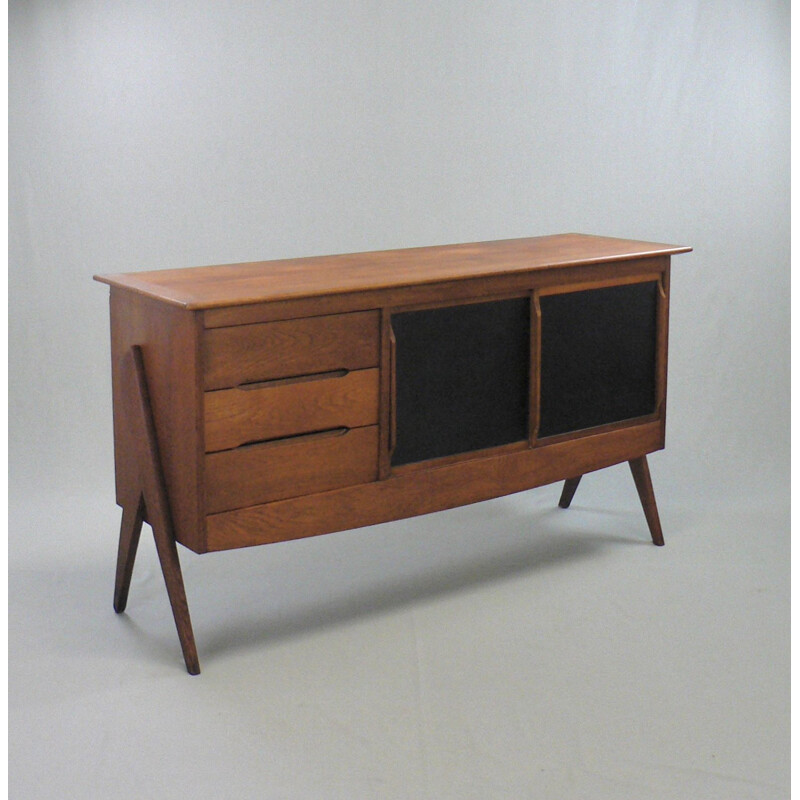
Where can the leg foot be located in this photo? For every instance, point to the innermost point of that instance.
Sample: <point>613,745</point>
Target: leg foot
<point>570,485</point>
<point>641,477</point>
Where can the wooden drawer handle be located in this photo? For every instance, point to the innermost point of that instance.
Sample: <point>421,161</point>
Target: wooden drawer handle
<point>316,376</point>
<point>300,437</point>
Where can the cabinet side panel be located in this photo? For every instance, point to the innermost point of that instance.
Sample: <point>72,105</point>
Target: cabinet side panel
<point>167,336</point>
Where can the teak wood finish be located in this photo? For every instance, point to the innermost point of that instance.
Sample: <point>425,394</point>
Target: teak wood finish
<point>255,403</point>
<point>150,502</point>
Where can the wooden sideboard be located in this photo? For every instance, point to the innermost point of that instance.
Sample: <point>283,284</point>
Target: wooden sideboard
<point>268,401</point>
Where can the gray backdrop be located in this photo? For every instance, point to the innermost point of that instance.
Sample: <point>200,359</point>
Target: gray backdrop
<point>150,135</point>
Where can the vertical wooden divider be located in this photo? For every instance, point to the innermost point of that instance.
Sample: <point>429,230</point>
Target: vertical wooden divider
<point>535,374</point>
<point>386,389</point>
<point>662,335</point>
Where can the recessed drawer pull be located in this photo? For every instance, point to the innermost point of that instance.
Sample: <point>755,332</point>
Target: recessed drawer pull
<point>301,465</point>
<point>300,437</point>
<point>274,410</point>
<point>269,350</point>
<point>317,376</point>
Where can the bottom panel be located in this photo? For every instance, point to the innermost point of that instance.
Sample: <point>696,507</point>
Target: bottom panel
<point>430,490</point>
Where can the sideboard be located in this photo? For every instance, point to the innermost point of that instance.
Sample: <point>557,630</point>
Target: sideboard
<point>268,401</point>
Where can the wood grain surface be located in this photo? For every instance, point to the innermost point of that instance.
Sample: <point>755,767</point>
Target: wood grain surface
<point>434,293</point>
<point>234,417</point>
<point>252,353</point>
<point>424,491</point>
<point>262,281</point>
<point>169,339</point>
<point>290,467</point>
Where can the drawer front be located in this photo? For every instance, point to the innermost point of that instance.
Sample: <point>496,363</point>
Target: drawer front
<point>251,353</point>
<point>290,467</point>
<point>274,409</point>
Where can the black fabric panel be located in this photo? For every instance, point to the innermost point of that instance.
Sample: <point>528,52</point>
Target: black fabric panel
<point>462,378</point>
<point>598,361</point>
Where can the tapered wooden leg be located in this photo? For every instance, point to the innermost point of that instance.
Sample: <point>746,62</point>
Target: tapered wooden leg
<point>131,527</point>
<point>568,492</point>
<point>641,477</point>
<point>153,505</point>
<point>173,578</point>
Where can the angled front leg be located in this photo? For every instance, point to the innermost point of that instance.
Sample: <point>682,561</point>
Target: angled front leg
<point>644,486</point>
<point>154,505</point>
<point>641,477</point>
<point>570,485</point>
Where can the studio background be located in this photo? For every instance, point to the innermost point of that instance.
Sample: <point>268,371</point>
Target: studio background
<point>500,650</point>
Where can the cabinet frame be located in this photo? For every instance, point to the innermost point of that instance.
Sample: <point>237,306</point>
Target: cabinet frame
<point>159,324</point>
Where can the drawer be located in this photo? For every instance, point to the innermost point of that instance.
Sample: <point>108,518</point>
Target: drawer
<point>290,467</point>
<point>287,407</point>
<point>269,350</point>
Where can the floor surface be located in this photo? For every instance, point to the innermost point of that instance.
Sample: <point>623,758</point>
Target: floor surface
<point>509,649</point>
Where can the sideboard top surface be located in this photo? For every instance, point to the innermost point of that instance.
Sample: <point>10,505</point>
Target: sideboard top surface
<point>266,281</point>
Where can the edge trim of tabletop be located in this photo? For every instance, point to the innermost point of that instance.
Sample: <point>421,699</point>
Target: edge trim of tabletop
<point>140,285</point>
